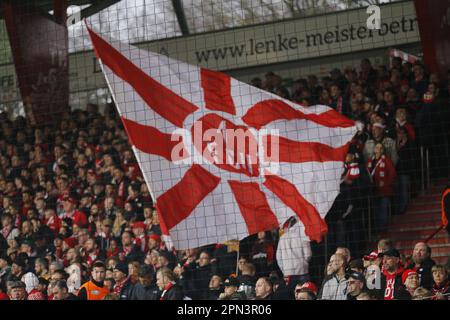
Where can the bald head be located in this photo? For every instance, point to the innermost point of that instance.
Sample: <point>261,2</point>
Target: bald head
<point>421,253</point>
<point>336,265</point>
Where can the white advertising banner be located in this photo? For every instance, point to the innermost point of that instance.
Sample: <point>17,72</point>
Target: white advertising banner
<point>279,42</point>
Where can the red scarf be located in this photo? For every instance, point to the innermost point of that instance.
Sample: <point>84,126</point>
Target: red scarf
<point>119,286</point>
<point>443,289</point>
<point>6,231</point>
<point>167,288</point>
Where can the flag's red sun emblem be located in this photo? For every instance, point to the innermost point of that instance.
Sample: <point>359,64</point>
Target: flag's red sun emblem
<point>226,145</point>
<point>234,140</point>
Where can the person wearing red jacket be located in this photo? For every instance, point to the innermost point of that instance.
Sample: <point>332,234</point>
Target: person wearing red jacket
<point>52,221</point>
<point>383,174</point>
<point>70,212</point>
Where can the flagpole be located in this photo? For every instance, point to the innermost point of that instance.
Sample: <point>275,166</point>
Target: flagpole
<point>237,259</point>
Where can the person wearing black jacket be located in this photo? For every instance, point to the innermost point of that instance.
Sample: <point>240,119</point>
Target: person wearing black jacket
<point>391,277</point>
<point>124,286</point>
<point>422,264</point>
<point>131,251</point>
<point>215,288</point>
<point>145,288</point>
<point>356,283</point>
<point>405,168</point>
<point>198,275</point>
<point>264,289</point>
<point>61,292</point>
<point>165,280</point>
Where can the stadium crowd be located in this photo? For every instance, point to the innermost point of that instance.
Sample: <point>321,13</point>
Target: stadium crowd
<point>78,221</point>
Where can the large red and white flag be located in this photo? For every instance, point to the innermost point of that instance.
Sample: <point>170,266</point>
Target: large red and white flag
<point>179,119</point>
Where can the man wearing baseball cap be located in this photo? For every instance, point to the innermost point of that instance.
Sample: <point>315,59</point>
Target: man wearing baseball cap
<point>355,284</point>
<point>391,278</point>
<point>17,290</point>
<point>306,291</point>
<point>231,285</point>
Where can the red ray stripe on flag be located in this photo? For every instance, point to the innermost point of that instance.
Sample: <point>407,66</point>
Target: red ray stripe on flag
<point>177,203</point>
<point>254,207</point>
<point>150,140</point>
<point>315,226</point>
<point>298,152</point>
<point>162,100</point>
<point>217,91</point>
<point>268,111</point>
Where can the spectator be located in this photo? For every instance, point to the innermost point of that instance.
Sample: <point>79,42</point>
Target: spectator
<point>133,271</point>
<point>391,278</point>
<point>123,287</point>
<point>17,290</point>
<point>410,281</point>
<point>405,169</point>
<point>422,264</point>
<point>231,290</point>
<point>170,290</point>
<point>378,136</point>
<point>356,265</point>
<point>338,102</point>
<point>95,289</point>
<point>345,252</point>
<point>77,217</point>
<point>247,280</point>
<point>43,287</point>
<point>130,252</point>
<point>9,232</point>
<point>31,285</point>
<point>306,291</point>
<point>384,245</point>
<point>441,286</point>
<point>104,235</point>
<point>5,269</point>
<point>145,289</point>
<point>215,288</point>
<point>382,172</point>
<point>198,275</point>
<point>335,284</point>
<point>355,285</point>
<point>263,253</point>
<point>263,289</point>
<point>61,292</point>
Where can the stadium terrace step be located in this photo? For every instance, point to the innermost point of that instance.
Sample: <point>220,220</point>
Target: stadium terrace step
<point>422,218</point>
<point>418,217</point>
<point>418,207</point>
<point>406,225</point>
<point>411,243</point>
<point>441,260</point>
<point>412,221</point>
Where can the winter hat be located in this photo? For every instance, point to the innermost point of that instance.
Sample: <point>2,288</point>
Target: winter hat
<point>122,267</point>
<point>406,274</point>
<point>31,281</point>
